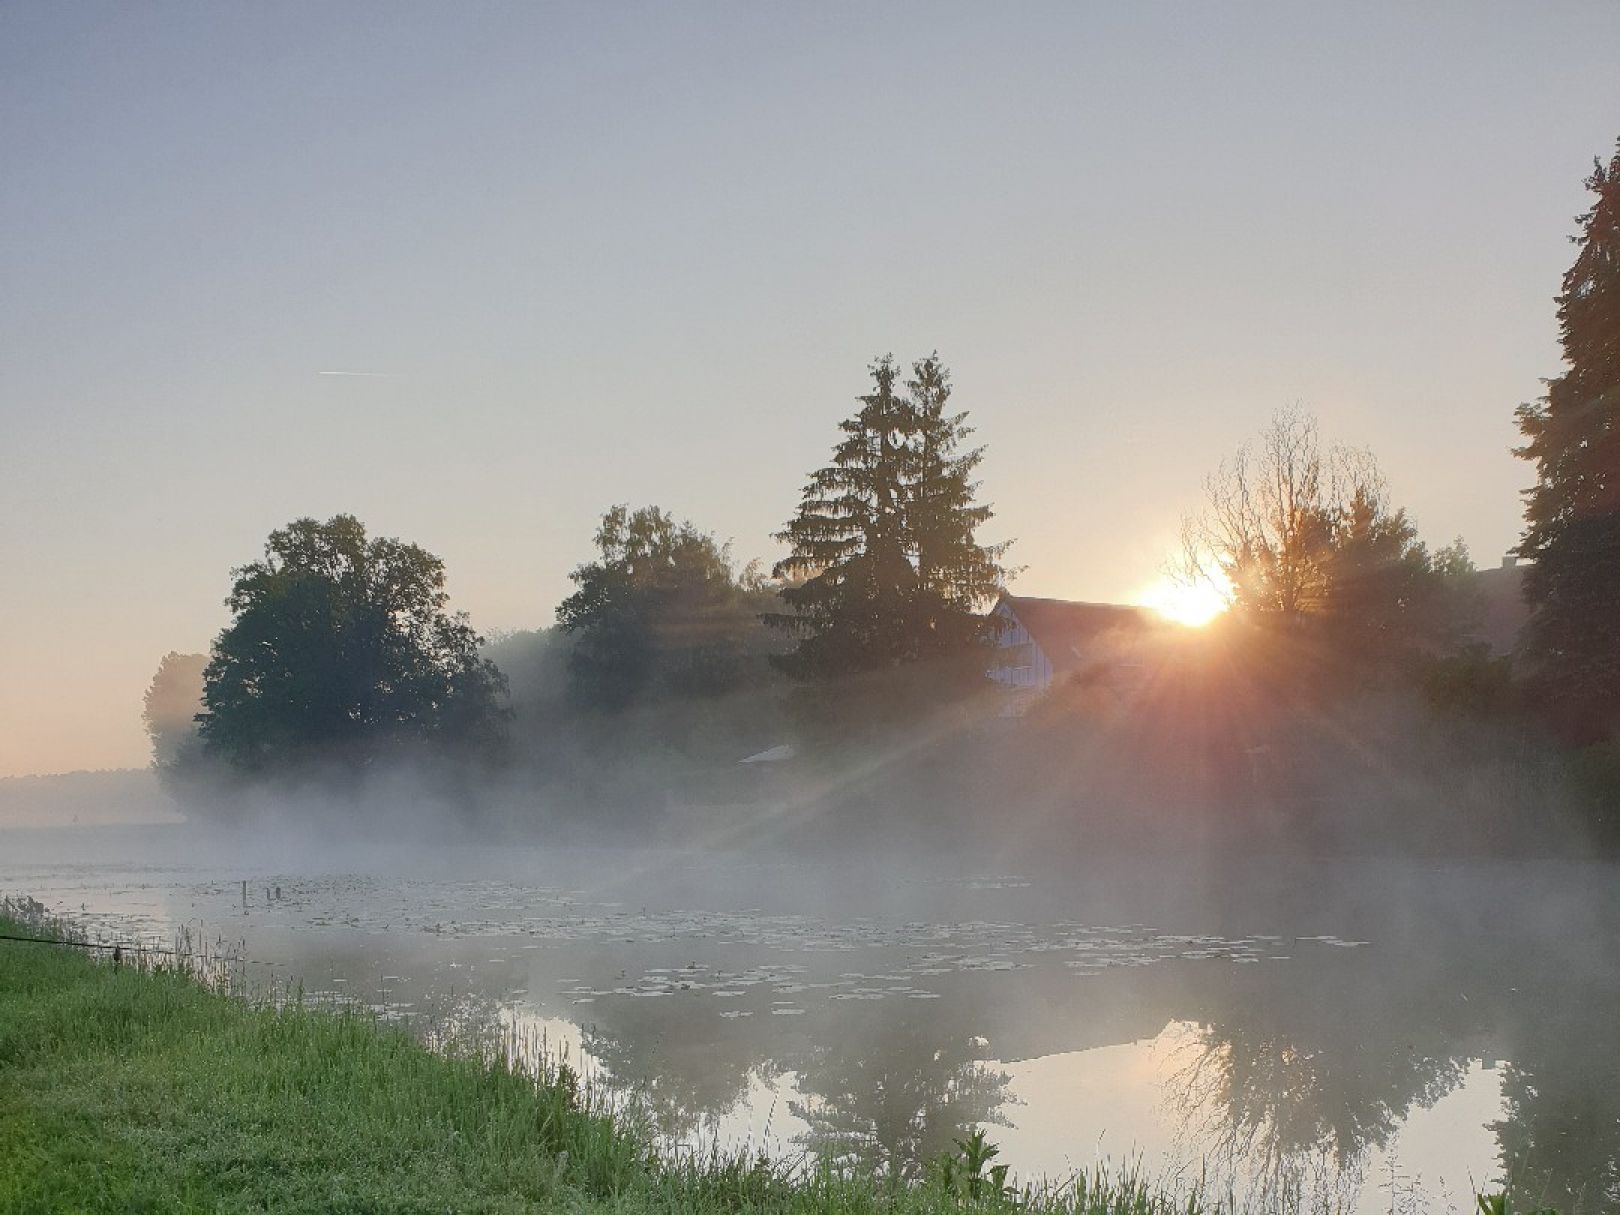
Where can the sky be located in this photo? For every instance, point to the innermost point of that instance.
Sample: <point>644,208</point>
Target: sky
<point>643,253</point>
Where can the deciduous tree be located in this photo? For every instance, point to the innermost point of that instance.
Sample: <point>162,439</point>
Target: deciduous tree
<point>341,649</point>
<point>171,705</point>
<point>1309,543</point>
<point>660,611</point>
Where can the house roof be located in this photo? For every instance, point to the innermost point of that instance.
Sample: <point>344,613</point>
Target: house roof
<point>1067,632</point>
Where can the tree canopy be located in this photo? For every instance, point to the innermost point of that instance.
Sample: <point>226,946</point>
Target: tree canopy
<point>171,705</point>
<point>1308,542</point>
<point>660,611</point>
<point>341,649</point>
<point>884,565</point>
<point>1572,513</point>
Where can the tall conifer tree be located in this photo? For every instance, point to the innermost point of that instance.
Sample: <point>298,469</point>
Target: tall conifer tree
<point>884,561</point>
<point>1573,511</point>
<point>956,575</point>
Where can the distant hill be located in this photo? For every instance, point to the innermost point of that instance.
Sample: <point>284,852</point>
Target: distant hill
<point>119,797</point>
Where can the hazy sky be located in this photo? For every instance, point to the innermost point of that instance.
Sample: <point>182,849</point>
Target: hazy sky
<point>643,253</point>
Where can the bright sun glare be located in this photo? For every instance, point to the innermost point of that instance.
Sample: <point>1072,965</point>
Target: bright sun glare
<point>1191,603</point>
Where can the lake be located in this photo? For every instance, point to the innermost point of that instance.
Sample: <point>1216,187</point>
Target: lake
<point>1366,1035</point>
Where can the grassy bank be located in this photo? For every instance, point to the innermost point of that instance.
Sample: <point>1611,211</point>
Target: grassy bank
<point>129,1089</point>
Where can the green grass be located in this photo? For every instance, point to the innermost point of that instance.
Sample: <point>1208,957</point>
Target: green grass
<point>140,1089</point>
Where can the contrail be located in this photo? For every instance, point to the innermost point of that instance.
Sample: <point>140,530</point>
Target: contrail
<point>380,374</point>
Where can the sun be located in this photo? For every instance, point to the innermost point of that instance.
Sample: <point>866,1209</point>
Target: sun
<point>1192,603</point>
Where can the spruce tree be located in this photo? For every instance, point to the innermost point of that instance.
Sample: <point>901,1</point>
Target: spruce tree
<point>884,566</point>
<point>956,575</point>
<point>1573,511</point>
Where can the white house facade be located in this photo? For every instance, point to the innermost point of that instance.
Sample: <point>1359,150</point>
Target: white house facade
<point>1039,642</point>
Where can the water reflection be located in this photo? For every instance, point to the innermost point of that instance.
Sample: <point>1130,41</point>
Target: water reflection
<point>1560,1138</point>
<point>1298,1117</point>
<point>894,1095</point>
<point>1298,1061</point>
<point>684,1078</point>
<point>1292,1080</point>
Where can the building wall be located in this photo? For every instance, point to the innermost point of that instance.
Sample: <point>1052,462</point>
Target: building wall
<point>1018,663</point>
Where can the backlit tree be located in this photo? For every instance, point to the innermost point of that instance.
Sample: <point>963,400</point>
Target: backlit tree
<point>1572,513</point>
<point>885,566</point>
<point>341,650</point>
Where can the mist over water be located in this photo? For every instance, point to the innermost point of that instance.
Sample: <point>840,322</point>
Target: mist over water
<point>1359,1031</point>
<point>872,577</point>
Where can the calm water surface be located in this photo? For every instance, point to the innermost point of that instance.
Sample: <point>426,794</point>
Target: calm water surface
<point>1374,1036</point>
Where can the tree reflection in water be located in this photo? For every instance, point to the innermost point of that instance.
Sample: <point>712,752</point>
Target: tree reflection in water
<point>685,1075</point>
<point>1292,1113</point>
<point>1560,1139</point>
<point>1275,1098</point>
<point>893,1099</point>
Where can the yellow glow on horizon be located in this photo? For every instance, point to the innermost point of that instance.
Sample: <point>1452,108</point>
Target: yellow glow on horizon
<point>1193,604</point>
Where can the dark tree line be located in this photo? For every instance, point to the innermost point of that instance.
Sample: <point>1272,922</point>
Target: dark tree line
<point>342,648</point>
<point>1572,435</point>
<point>342,651</point>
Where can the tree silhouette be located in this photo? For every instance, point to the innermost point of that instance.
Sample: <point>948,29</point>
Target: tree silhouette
<point>341,650</point>
<point>885,566</point>
<point>1311,547</point>
<point>661,610</point>
<point>1573,511</point>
